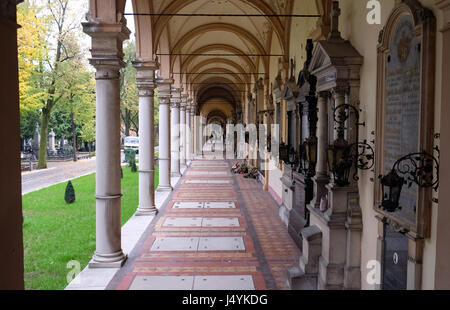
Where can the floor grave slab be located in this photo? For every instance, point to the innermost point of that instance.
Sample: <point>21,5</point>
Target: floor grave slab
<point>220,205</point>
<point>197,181</point>
<point>188,205</point>
<point>219,181</point>
<point>175,244</point>
<point>182,222</point>
<point>221,244</point>
<point>156,283</point>
<point>220,222</point>
<point>235,283</point>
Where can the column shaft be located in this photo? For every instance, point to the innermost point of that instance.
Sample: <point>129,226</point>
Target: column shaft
<point>108,182</point>
<point>11,238</point>
<point>188,134</point>
<point>164,135</point>
<point>321,179</point>
<point>183,135</point>
<point>145,83</point>
<point>175,139</point>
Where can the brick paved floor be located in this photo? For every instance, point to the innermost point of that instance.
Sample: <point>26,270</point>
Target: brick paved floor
<point>268,248</point>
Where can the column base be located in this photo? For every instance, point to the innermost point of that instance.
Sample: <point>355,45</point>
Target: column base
<point>163,188</point>
<point>146,211</point>
<point>175,175</point>
<point>115,260</point>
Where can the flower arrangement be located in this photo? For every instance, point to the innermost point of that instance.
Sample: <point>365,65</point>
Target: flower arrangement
<point>245,170</point>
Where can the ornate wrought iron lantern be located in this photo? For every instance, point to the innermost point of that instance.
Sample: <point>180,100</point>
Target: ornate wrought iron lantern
<point>339,162</point>
<point>342,156</point>
<point>421,169</point>
<point>309,156</point>
<point>392,185</point>
<point>284,152</point>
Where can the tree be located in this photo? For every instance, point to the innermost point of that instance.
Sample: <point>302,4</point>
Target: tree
<point>32,50</point>
<point>62,28</point>
<point>129,109</point>
<point>88,133</point>
<point>79,99</point>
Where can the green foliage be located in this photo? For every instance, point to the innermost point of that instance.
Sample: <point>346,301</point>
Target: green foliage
<point>69,195</point>
<point>130,155</point>
<point>129,108</point>
<point>133,166</point>
<point>53,74</point>
<point>88,131</point>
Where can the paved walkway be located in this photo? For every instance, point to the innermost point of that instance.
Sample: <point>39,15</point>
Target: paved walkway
<point>57,172</point>
<point>215,231</point>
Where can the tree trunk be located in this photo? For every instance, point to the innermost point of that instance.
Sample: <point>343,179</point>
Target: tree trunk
<point>74,138</point>
<point>45,119</point>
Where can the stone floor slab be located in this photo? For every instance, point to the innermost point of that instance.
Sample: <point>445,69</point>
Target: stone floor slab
<point>220,205</point>
<point>175,244</point>
<point>196,181</point>
<point>174,283</point>
<point>220,222</point>
<point>183,222</point>
<point>188,205</point>
<point>221,244</point>
<point>235,283</point>
<point>219,181</point>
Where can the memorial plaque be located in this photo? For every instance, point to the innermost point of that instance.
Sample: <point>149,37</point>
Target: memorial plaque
<point>402,110</point>
<point>405,106</point>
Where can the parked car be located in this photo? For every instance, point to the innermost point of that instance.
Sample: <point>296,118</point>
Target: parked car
<point>132,143</point>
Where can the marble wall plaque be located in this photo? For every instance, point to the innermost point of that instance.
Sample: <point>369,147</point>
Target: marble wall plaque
<point>402,110</point>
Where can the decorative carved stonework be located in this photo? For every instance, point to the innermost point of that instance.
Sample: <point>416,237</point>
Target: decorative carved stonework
<point>405,99</point>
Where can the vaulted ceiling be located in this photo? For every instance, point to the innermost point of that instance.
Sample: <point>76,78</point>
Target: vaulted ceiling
<point>183,37</point>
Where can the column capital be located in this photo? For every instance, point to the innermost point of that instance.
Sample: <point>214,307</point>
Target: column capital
<point>145,77</point>
<point>164,90</point>
<point>175,98</point>
<point>107,50</point>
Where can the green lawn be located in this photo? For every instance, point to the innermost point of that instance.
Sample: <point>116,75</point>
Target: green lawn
<point>55,233</point>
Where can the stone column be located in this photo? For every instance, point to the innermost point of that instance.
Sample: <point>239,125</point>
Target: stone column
<point>107,59</point>
<point>339,99</point>
<point>145,82</point>
<point>442,269</point>
<point>175,101</point>
<point>183,131</point>
<point>164,134</point>
<point>321,179</point>
<point>11,240</point>
<point>188,133</point>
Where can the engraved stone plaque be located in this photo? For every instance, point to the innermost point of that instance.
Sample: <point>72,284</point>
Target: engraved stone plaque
<point>405,107</point>
<point>402,110</point>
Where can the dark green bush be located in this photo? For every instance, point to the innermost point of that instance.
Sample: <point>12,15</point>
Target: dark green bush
<point>69,195</point>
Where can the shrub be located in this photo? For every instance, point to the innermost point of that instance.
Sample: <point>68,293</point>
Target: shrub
<point>69,195</point>
<point>133,166</point>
